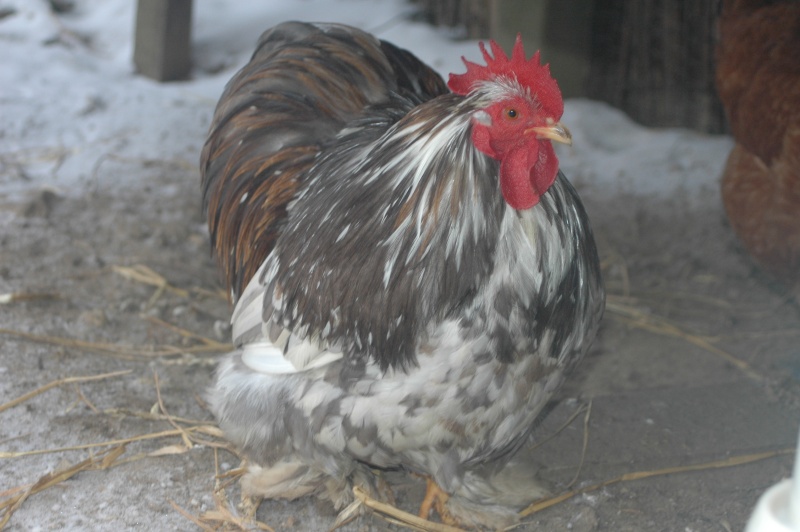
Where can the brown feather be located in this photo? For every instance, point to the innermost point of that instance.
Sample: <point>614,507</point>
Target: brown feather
<point>758,78</point>
<point>302,85</point>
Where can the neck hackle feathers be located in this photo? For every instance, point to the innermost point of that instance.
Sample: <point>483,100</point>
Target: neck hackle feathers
<point>529,73</point>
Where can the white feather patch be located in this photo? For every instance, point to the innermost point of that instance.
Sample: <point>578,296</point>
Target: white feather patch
<point>264,357</point>
<point>482,117</point>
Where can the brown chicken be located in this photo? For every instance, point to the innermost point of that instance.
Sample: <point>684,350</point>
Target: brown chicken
<point>758,79</point>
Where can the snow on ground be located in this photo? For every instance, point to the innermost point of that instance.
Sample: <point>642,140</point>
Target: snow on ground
<point>73,106</point>
<point>70,98</point>
<point>613,154</point>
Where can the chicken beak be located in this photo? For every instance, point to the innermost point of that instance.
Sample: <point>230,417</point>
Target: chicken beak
<point>557,132</point>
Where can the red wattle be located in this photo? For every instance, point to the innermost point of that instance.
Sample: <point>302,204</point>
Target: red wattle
<point>526,173</point>
<point>516,181</point>
<point>544,172</point>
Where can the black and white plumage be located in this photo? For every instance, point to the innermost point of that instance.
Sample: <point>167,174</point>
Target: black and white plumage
<point>401,314</point>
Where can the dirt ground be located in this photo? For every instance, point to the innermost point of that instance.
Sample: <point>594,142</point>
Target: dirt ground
<point>698,362</point>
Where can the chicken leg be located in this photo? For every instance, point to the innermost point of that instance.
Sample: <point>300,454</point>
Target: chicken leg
<point>436,498</point>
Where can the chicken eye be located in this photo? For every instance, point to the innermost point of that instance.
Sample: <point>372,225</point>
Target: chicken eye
<point>512,114</point>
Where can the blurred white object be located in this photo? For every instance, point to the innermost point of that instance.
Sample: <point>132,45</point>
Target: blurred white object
<point>778,509</point>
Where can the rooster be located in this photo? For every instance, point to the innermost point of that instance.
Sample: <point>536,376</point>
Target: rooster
<point>413,277</point>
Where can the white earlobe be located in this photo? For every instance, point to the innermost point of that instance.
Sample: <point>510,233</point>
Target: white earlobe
<point>482,117</point>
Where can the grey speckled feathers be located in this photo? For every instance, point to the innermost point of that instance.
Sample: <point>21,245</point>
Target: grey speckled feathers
<point>392,310</point>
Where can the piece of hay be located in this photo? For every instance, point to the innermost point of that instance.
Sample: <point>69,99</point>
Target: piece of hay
<point>187,441</point>
<point>733,461</point>
<point>121,441</point>
<point>146,275</point>
<point>124,352</point>
<point>104,460</point>
<point>59,382</point>
<point>200,524</point>
<point>14,297</point>
<point>636,318</point>
<point>189,334</point>
<point>398,516</point>
<point>585,445</point>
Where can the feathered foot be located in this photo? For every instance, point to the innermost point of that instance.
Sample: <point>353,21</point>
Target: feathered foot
<point>435,498</point>
<point>461,513</point>
<point>486,499</point>
<point>368,482</point>
<point>291,478</point>
<point>286,479</point>
<point>248,506</point>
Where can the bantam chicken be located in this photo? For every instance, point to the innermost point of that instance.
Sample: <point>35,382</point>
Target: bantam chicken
<point>758,79</point>
<point>413,277</point>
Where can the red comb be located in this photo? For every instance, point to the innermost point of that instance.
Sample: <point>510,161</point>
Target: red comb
<point>531,74</point>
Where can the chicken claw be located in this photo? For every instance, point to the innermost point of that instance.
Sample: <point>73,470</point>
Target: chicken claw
<point>436,498</point>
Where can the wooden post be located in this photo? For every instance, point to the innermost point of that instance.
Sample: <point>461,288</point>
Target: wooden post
<point>560,29</point>
<point>162,49</point>
<point>654,59</point>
